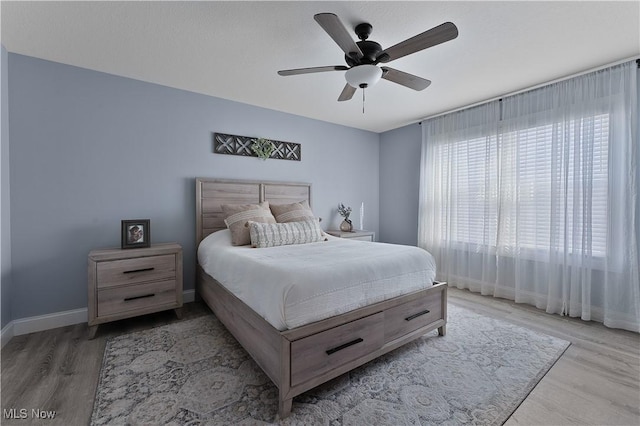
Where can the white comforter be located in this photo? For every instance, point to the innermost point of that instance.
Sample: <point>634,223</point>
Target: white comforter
<point>294,285</point>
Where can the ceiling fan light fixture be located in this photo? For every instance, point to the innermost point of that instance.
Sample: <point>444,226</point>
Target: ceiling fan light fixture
<point>363,75</point>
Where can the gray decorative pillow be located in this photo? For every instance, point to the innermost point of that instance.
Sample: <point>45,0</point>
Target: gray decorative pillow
<point>279,234</point>
<point>237,216</point>
<point>295,212</point>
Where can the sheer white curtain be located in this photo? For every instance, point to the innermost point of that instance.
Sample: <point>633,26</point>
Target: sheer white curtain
<point>535,198</point>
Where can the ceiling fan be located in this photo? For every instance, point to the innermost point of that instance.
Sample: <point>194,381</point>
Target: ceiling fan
<point>363,57</point>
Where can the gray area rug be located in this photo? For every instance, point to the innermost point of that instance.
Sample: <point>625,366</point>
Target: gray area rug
<point>194,372</point>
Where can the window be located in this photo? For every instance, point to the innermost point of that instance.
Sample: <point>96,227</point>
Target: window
<point>537,185</point>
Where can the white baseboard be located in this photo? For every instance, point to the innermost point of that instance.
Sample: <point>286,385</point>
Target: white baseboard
<point>6,335</point>
<point>188,296</point>
<point>49,321</point>
<point>58,319</point>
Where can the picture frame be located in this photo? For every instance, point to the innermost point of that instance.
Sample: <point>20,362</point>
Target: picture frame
<point>136,233</point>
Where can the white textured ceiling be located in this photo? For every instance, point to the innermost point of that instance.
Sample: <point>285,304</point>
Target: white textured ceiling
<point>233,50</point>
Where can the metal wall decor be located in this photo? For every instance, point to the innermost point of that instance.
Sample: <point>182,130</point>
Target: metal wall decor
<point>241,145</point>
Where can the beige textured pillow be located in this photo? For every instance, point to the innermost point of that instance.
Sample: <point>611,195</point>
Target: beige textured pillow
<point>280,234</point>
<point>296,212</point>
<point>237,216</point>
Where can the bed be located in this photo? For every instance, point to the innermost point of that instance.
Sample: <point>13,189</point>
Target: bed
<point>300,357</point>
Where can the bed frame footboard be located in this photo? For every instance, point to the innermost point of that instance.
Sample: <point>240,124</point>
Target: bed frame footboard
<point>300,359</point>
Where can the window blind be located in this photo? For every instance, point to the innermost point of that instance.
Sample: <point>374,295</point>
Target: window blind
<point>537,185</point>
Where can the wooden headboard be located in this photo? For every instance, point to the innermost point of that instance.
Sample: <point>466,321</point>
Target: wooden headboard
<point>211,194</point>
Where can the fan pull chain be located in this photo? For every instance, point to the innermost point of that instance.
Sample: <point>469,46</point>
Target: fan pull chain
<point>363,100</point>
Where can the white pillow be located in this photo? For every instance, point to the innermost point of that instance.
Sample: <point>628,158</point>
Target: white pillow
<point>279,234</point>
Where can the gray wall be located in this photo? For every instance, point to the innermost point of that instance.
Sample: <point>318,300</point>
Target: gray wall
<point>5,221</point>
<point>400,184</point>
<point>89,149</point>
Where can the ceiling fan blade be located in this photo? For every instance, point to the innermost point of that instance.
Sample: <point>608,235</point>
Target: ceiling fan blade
<point>313,69</point>
<point>434,36</point>
<point>405,79</point>
<point>347,93</point>
<point>337,31</point>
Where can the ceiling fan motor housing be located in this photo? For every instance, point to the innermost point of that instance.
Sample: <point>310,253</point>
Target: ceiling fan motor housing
<point>370,51</point>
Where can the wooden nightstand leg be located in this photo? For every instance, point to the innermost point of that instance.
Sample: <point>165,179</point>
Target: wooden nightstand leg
<point>178,312</point>
<point>442,330</point>
<point>92,331</point>
<point>284,408</point>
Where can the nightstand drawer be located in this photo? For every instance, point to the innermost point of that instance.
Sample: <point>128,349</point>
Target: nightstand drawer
<point>136,270</point>
<point>412,315</point>
<point>134,297</point>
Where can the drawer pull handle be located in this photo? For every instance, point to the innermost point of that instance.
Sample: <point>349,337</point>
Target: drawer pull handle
<point>127,299</point>
<point>414,316</point>
<point>346,345</point>
<point>138,270</point>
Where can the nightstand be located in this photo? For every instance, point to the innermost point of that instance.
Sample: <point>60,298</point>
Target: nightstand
<point>125,283</point>
<point>356,234</point>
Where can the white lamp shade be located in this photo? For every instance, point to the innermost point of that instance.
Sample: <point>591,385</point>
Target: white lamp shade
<point>363,74</point>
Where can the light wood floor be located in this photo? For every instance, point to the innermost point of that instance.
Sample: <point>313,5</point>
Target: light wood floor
<point>595,382</point>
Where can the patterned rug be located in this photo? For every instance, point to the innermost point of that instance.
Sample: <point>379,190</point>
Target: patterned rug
<point>194,372</point>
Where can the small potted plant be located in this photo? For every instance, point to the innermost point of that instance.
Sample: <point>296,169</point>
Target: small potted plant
<point>345,212</point>
<point>263,148</point>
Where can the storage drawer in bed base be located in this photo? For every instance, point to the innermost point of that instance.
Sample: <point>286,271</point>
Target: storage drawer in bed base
<point>411,316</point>
<point>321,352</point>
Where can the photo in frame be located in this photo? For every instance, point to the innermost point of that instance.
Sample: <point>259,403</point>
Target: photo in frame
<point>136,233</point>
